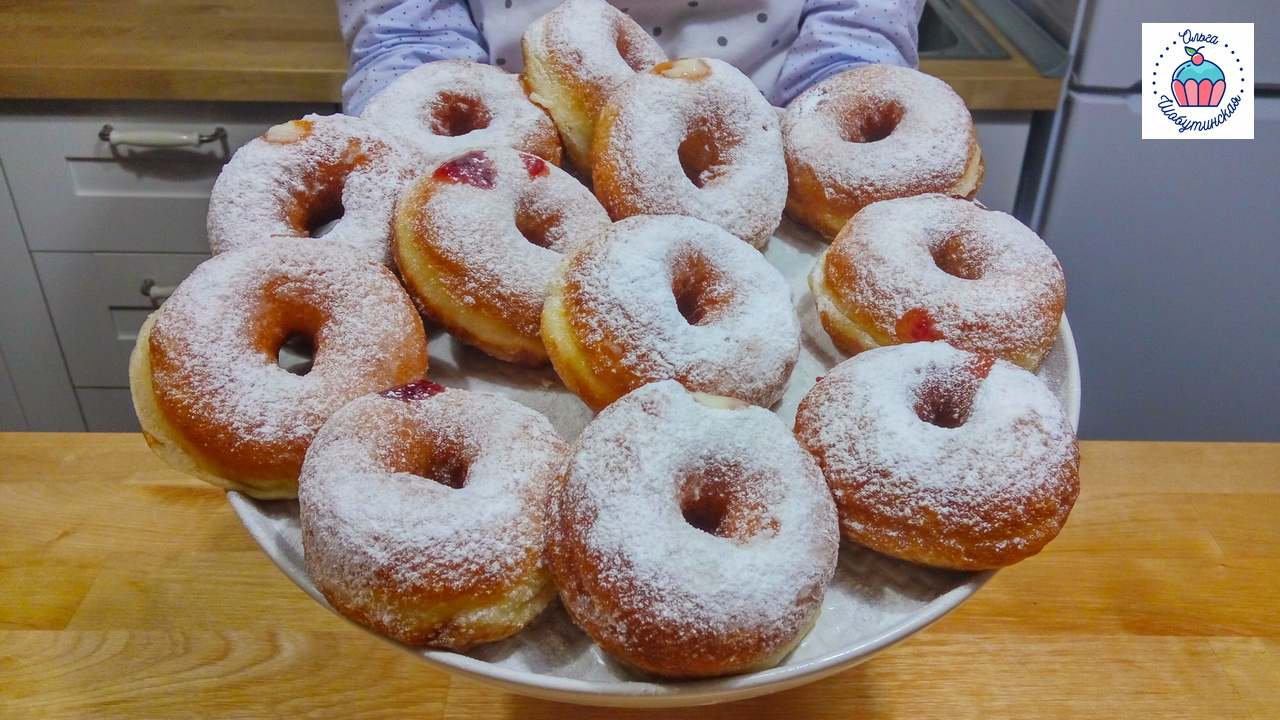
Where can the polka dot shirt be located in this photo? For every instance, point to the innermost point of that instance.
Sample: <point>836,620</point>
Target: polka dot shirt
<point>783,45</point>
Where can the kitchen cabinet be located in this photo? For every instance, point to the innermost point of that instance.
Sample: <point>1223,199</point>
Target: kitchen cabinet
<point>91,234</point>
<point>38,388</point>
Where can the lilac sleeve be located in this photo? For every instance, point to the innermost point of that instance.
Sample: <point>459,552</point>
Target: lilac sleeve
<point>836,35</point>
<point>387,38</point>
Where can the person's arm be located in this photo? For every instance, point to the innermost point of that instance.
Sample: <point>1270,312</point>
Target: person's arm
<point>387,38</point>
<point>837,35</point>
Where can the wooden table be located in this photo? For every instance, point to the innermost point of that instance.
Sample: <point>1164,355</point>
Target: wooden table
<point>131,591</point>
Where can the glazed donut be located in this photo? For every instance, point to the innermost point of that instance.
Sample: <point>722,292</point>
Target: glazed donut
<point>730,169</point>
<point>478,241</point>
<point>933,267</point>
<point>691,535</point>
<point>942,457</point>
<point>210,396</point>
<point>574,56</point>
<point>669,297</point>
<point>874,133</point>
<point>422,514</point>
<point>304,174</point>
<point>446,107</point>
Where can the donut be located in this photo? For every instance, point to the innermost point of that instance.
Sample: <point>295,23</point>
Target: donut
<point>422,514</point>
<point>692,137</point>
<point>691,535</point>
<point>213,401</point>
<point>941,456</point>
<point>933,267</point>
<point>574,56</point>
<point>874,133</point>
<point>668,297</point>
<point>304,174</point>
<point>446,107</point>
<point>478,241</point>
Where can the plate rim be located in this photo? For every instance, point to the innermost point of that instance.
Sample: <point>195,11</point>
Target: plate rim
<point>629,693</point>
<point>659,694</point>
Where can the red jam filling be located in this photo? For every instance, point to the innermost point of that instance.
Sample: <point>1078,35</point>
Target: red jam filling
<point>416,390</point>
<point>536,166</point>
<point>474,168</point>
<point>916,326</point>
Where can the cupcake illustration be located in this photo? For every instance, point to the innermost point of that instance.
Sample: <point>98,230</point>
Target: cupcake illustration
<point>1198,82</point>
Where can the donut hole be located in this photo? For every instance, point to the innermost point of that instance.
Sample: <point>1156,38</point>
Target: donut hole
<point>454,114</point>
<point>325,218</point>
<point>448,469</point>
<point>287,324</point>
<point>537,228</point>
<point>411,448</point>
<point>955,255</point>
<point>944,412</point>
<point>873,124</point>
<point>698,291</point>
<point>317,208</point>
<point>704,512</point>
<point>701,155</point>
<point>712,499</point>
<point>297,353</point>
<point>945,398</point>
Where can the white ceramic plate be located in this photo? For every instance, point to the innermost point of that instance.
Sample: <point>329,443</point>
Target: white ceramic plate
<point>873,602</point>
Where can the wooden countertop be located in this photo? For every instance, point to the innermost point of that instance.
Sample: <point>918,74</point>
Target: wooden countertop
<point>283,50</point>
<point>132,591</point>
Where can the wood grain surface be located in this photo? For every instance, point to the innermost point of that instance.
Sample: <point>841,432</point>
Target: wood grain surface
<point>285,50</point>
<point>132,591</point>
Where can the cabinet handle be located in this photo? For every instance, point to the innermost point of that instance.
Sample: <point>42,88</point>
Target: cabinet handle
<point>159,138</point>
<point>156,293</point>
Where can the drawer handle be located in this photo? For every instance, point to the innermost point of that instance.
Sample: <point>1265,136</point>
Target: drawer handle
<point>156,293</point>
<point>159,138</point>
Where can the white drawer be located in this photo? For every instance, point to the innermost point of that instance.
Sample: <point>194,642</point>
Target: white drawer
<point>74,191</point>
<point>97,306</point>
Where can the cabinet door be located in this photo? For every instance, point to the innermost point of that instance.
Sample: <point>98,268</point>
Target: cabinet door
<point>1002,135</point>
<point>98,305</point>
<point>31,354</point>
<point>11,417</point>
<point>108,410</point>
<point>75,191</point>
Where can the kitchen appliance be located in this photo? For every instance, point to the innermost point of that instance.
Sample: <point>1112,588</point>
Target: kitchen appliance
<point>1171,247</point>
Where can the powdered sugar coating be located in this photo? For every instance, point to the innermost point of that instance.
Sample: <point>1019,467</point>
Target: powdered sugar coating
<point>616,297</point>
<point>655,590</point>
<point>838,162</point>
<point>990,492</point>
<point>465,242</point>
<point>412,557</point>
<point>636,156</point>
<point>489,97</point>
<point>888,261</point>
<point>575,56</point>
<point>283,183</point>
<point>214,343</point>
<point>586,34</point>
